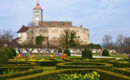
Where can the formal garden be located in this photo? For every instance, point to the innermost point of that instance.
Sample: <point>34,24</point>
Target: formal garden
<point>61,66</point>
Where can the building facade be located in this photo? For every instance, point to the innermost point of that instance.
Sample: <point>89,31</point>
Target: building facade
<point>50,30</point>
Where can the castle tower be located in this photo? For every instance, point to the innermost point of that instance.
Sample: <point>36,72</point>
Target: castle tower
<point>37,14</point>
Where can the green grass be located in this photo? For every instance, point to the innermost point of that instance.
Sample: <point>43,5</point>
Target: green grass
<point>49,68</point>
<point>124,56</point>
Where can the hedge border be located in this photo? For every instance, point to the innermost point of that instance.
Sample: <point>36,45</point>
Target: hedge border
<point>64,66</point>
<point>123,69</point>
<point>91,60</point>
<point>19,74</point>
<point>41,75</point>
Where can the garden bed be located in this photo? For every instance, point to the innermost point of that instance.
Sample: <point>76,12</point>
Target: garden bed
<point>79,65</point>
<point>54,75</point>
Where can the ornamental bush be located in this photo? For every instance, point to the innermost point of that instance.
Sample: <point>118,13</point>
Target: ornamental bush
<point>10,52</point>
<point>86,54</point>
<point>6,53</point>
<point>105,52</point>
<point>3,56</point>
<point>13,51</point>
<point>67,51</point>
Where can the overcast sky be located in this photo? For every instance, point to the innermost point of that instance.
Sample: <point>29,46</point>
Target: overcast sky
<point>101,17</point>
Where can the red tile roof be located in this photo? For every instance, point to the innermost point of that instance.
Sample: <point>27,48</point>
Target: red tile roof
<point>37,6</point>
<point>23,29</point>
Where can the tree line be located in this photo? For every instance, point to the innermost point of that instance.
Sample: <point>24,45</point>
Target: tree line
<point>121,44</point>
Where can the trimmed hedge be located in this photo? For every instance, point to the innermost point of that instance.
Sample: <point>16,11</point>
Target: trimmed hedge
<point>67,51</point>
<point>5,54</point>
<point>17,67</point>
<point>3,57</point>
<point>105,52</point>
<point>87,54</point>
<point>79,65</point>
<point>119,65</point>
<point>19,74</point>
<point>124,71</point>
<point>107,60</point>
<point>105,75</point>
<point>47,63</point>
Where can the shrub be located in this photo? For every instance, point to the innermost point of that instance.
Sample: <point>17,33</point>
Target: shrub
<point>53,75</point>
<point>6,53</point>
<point>105,52</point>
<point>67,51</point>
<point>81,65</point>
<point>59,50</point>
<point>87,54</point>
<point>10,52</point>
<point>3,56</point>
<point>13,51</point>
<point>19,74</point>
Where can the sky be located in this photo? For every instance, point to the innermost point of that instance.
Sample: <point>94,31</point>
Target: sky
<point>101,17</point>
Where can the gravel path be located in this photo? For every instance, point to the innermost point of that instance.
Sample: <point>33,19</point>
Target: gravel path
<point>97,56</point>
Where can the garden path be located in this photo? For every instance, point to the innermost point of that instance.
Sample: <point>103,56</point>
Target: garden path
<point>97,56</point>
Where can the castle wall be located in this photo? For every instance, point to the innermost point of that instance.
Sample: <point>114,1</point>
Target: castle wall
<point>54,34</point>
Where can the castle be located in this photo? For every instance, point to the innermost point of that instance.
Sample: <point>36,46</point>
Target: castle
<point>51,30</point>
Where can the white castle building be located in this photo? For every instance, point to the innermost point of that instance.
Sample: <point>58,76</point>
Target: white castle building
<point>51,30</point>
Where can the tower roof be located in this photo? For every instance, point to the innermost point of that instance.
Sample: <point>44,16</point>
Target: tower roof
<point>38,6</point>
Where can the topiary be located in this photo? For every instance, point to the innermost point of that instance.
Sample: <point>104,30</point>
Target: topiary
<point>9,53</point>
<point>59,50</point>
<point>3,56</point>
<point>13,51</point>
<point>87,54</point>
<point>105,52</point>
<point>67,51</point>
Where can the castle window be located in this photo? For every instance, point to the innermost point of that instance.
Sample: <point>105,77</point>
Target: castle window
<point>49,23</point>
<point>36,11</point>
<point>62,23</point>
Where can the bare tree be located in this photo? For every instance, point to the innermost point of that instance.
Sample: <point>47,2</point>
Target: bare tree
<point>69,39</point>
<point>127,44</point>
<point>119,40</point>
<point>7,35</point>
<point>28,46</point>
<point>107,41</point>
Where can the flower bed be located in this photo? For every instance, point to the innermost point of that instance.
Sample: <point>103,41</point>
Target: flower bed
<point>54,75</point>
<point>10,69</point>
<point>74,65</point>
<point>22,73</point>
<point>89,76</point>
<point>123,61</point>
